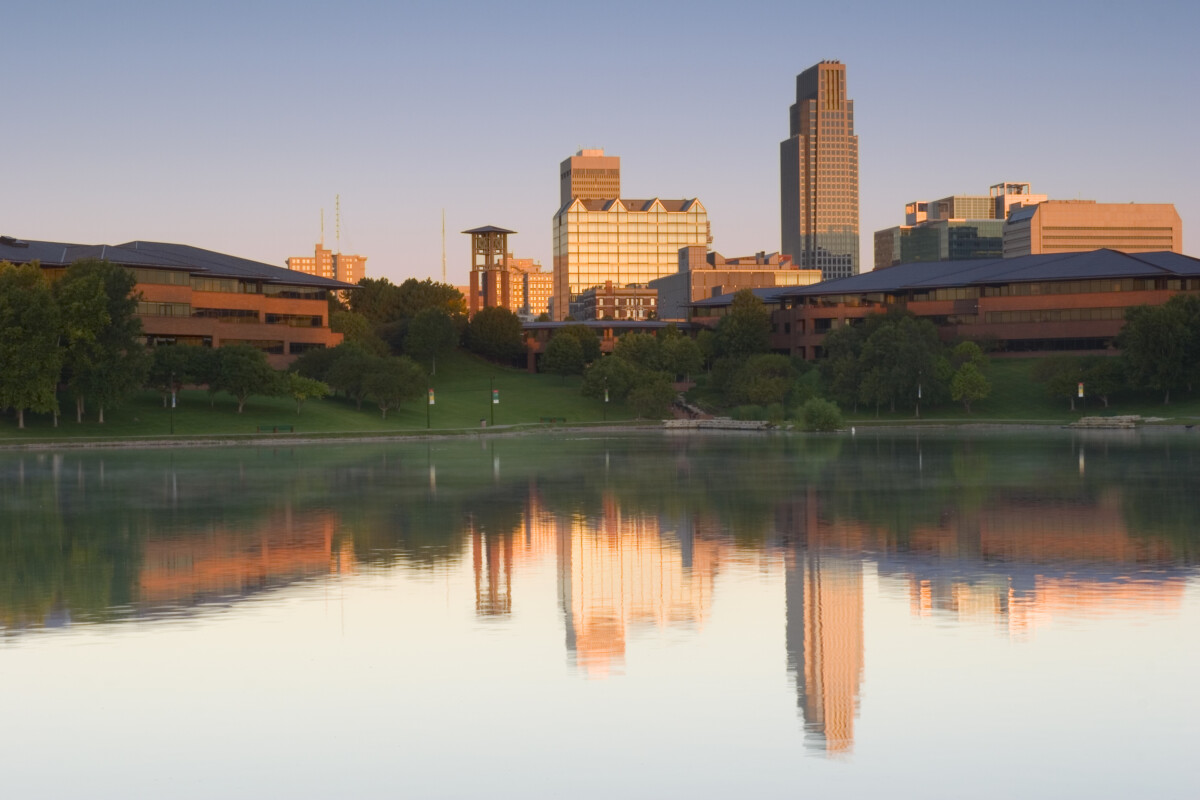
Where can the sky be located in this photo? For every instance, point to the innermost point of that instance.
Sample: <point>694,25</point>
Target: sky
<point>232,125</point>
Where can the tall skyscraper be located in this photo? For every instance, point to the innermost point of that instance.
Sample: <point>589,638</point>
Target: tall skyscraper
<point>818,175</point>
<point>589,175</point>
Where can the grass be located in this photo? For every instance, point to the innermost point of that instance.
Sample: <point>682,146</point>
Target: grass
<point>462,391</point>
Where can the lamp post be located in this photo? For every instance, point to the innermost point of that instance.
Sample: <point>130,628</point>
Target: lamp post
<point>172,403</point>
<point>495,401</point>
<point>605,398</point>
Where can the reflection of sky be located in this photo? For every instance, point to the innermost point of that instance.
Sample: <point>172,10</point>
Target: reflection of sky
<point>729,664</point>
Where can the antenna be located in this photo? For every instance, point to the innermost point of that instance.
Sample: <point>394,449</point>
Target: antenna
<point>443,245</point>
<point>322,227</point>
<point>337,205</point>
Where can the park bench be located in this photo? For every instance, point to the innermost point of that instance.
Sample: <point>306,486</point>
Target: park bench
<point>552,420</point>
<point>275,429</point>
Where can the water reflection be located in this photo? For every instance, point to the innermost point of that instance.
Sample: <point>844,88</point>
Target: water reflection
<point>1007,533</point>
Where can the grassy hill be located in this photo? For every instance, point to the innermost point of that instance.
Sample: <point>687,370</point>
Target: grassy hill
<point>462,391</point>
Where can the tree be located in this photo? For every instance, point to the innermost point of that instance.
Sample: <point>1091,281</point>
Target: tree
<point>764,379</point>
<point>642,350</point>
<point>495,333</point>
<point>746,329</point>
<point>563,356</point>
<point>610,374</point>
<point>172,366</point>
<point>651,396</point>
<point>1103,376</point>
<point>30,357</point>
<point>1060,375</point>
<point>682,356</point>
<point>588,340</point>
<point>300,388</point>
<point>357,329</point>
<point>431,332</point>
<point>349,372</point>
<point>109,362</point>
<point>244,371</point>
<point>1155,346</point>
<point>316,363</point>
<point>969,385</point>
<point>394,380</point>
<point>820,415</point>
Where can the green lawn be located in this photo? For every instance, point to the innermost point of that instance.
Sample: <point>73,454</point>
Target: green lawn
<point>462,390</point>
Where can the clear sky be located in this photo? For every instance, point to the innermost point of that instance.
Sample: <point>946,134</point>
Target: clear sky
<point>230,125</point>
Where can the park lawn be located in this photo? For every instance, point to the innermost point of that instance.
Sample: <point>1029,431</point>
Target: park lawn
<point>462,392</point>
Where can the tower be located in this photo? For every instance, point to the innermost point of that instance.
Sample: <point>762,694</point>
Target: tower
<point>589,175</point>
<point>489,275</point>
<point>818,175</point>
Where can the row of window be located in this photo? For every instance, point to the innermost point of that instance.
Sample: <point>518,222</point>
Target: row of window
<point>1056,315</point>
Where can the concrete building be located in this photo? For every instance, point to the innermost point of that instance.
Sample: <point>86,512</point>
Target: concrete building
<point>703,273</point>
<point>818,175</point>
<point>191,296</point>
<point>610,239</point>
<point>1057,226</point>
<point>616,302</point>
<point>326,264</point>
<point>589,175</point>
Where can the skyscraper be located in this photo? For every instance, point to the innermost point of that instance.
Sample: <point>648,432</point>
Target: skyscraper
<point>818,175</point>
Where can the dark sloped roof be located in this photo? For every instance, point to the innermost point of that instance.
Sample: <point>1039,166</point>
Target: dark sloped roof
<point>163,256</point>
<point>770,294</point>
<point>489,229</point>
<point>1023,269</point>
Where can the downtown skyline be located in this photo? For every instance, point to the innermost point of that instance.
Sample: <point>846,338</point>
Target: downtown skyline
<point>217,127</point>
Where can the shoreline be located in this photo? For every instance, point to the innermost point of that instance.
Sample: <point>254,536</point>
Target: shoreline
<point>277,440</point>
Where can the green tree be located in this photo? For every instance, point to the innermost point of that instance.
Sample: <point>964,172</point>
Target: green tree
<point>317,362</point>
<point>746,329</point>
<point>393,381</point>
<point>820,415</point>
<point>358,330</point>
<point>30,357</point>
<point>244,371</point>
<point>348,373</point>
<point>172,366</point>
<point>969,385</point>
<point>651,396</point>
<point>1060,375</point>
<point>763,379</point>
<point>495,334</point>
<point>563,356</point>
<point>300,388</point>
<point>682,356</point>
<point>588,340</point>
<point>431,332</point>
<point>642,350</point>
<point>611,373</point>
<point>109,363</point>
<point>1155,346</point>
<point>1103,376</point>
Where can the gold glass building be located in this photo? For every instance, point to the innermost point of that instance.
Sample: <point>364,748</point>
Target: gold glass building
<point>818,175</point>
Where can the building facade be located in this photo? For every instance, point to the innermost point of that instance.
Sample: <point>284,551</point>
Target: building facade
<point>1058,226</point>
<point>620,241</point>
<point>325,263</point>
<point>190,296</point>
<point>589,175</point>
<point>704,273</point>
<point>1054,302</point>
<point>616,302</point>
<point>939,240</point>
<point>531,287</point>
<point>818,175</point>
<point>491,280</point>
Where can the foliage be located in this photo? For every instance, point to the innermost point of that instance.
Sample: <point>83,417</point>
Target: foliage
<point>1156,343</point>
<point>969,385</point>
<point>316,363</point>
<point>394,380</point>
<point>642,350</point>
<point>431,332</point>
<point>381,301</point>
<point>349,370</point>
<point>300,388</point>
<point>106,361</point>
<point>682,356</point>
<point>495,334</point>
<point>357,329</point>
<point>563,356</point>
<point>611,372</point>
<point>588,340</point>
<point>171,367</point>
<point>820,415</point>
<point>745,329</point>
<point>30,358</point>
<point>651,397</point>
<point>1103,376</point>
<point>243,371</point>
<point>764,379</point>
<point>1061,376</point>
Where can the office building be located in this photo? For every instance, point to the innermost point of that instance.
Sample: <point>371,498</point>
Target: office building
<point>530,287</point>
<point>818,175</point>
<point>589,175</point>
<point>325,263</point>
<point>627,242</point>
<point>703,273</point>
<point>615,302</point>
<point>1058,226</point>
<point>191,296</point>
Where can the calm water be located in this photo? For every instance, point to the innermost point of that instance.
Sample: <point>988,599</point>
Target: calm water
<point>678,616</point>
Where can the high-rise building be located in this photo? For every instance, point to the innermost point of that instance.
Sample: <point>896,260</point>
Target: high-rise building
<point>589,175</point>
<point>598,239</point>
<point>818,175</point>
<point>327,264</point>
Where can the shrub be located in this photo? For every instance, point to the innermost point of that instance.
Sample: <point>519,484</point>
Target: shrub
<point>820,415</point>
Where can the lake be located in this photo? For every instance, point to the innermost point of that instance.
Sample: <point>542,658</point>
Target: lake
<point>903,614</point>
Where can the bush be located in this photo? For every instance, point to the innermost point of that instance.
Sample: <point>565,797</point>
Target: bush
<point>775,413</point>
<point>748,413</point>
<point>820,415</point>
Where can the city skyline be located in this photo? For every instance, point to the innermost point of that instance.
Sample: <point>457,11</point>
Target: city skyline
<point>134,130</point>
